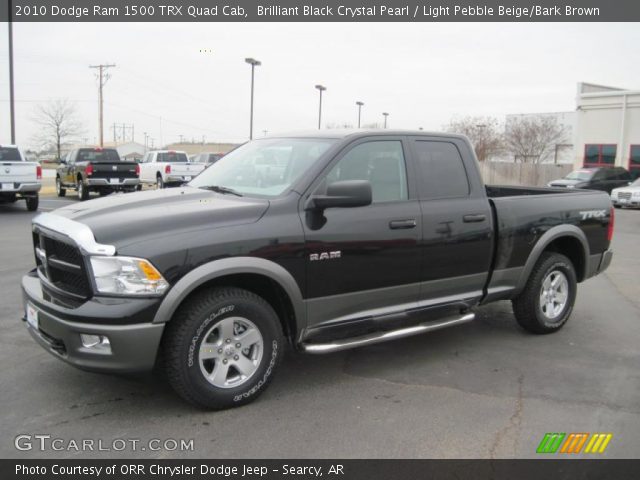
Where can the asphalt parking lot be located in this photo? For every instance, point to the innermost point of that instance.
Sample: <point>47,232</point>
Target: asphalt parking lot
<point>481,390</point>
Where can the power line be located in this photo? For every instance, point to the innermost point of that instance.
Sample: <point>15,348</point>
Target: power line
<point>102,77</point>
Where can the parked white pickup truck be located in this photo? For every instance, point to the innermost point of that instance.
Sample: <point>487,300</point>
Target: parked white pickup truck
<point>168,167</point>
<point>19,179</point>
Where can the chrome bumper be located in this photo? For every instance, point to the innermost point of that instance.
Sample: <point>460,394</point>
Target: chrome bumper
<point>104,182</point>
<point>23,188</point>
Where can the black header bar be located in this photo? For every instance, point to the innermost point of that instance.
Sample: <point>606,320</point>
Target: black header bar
<point>321,11</point>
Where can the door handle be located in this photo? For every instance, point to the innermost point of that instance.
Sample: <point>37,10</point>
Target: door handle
<point>474,218</point>
<point>402,224</point>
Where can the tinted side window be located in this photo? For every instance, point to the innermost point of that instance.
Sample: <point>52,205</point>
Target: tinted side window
<point>381,163</point>
<point>441,170</point>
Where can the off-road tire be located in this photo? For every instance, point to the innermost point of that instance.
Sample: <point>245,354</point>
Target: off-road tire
<point>83,191</point>
<point>527,307</point>
<point>32,203</point>
<point>186,331</point>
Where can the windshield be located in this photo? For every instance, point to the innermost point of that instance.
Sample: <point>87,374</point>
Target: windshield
<point>98,156</point>
<point>264,167</point>
<point>172,157</point>
<point>10,154</point>
<point>582,175</point>
<point>636,182</point>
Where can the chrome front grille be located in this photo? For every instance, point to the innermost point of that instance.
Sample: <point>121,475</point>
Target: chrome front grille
<point>624,195</point>
<point>61,265</point>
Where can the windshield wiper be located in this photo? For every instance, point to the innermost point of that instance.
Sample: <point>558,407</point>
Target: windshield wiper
<point>223,190</point>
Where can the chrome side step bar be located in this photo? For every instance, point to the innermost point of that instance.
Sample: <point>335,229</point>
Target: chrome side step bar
<point>379,337</point>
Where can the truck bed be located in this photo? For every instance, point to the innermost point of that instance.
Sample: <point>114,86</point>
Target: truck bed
<point>497,191</point>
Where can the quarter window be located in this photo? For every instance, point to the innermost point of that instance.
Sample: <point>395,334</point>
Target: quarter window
<point>382,163</point>
<point>441,170</point>
<point>599,155</point>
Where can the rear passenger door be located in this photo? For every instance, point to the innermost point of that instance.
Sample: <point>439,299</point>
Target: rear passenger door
<point>456,222</point>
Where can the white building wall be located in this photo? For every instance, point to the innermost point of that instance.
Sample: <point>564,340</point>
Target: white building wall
<point>607,116</point>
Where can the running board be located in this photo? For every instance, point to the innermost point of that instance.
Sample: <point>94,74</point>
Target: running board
<point>379,337</point>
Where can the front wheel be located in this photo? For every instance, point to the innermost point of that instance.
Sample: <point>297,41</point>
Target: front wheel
<point>32,203</point>
<point>546,302</point>
<point>222,348</point>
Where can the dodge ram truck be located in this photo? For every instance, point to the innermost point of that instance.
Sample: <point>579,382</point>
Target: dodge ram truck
<point>97,169</point>
<point>364,237</point>
<point>165,168</point>
<point>19,179</point>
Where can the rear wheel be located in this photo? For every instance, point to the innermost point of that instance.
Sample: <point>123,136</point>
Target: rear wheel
<point>83,192</point>
<point>222,348</point>
<point>32,203</point>
<point>61,192</point>
<point>546,302</point>
<point>159,182</point>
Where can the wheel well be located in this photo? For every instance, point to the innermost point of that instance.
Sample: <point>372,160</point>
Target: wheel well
<point>266,288</point>
<point>571,248</point>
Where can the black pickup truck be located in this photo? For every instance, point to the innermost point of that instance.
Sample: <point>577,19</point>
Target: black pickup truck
<point>99,170</point>
<point>364,237</point>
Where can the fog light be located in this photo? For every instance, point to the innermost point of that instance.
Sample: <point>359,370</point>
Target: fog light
<point>96,342</point>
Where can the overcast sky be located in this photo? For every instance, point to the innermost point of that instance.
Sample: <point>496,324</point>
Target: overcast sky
<point>423,74</point>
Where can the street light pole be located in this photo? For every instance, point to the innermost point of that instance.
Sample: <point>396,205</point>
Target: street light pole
<point>359,104</point>
<point>321,89</point>
<point>254,63</point>
<point>385,118</point>
<point>12,101</point>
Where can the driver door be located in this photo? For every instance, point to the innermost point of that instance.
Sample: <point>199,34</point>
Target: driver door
<point>364,261</point>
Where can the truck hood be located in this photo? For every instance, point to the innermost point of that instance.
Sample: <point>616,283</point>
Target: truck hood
<point>123,219</point>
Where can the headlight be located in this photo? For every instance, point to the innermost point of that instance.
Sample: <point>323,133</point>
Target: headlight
<point>636,194</point>
<point>127,276</point>
<point>571,186</point>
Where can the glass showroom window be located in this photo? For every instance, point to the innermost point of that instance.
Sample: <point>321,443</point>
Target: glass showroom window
<point>634,161</point>
<point>599,155</point>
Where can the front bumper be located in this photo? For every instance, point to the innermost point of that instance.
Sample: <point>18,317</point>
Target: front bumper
<point>133,346</point>
<point>631,202</point>
<point>28,188</point>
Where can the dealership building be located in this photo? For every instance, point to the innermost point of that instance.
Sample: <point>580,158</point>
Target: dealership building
<point>604,129</point>
<point>607,128</point>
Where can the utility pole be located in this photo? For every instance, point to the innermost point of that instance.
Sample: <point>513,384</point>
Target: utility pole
<point>102,77</point>
<point>12,100</point>
<point>265,132</point>
<point>385,118</point>
<point>359,104</point>
<point>321,88</point>
<point>254,63</point>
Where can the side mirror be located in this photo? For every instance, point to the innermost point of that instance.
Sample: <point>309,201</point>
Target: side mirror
<point>62,161</point>
<point>344,194</point>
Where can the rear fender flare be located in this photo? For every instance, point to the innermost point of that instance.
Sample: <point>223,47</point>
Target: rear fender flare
<point>554,233</point>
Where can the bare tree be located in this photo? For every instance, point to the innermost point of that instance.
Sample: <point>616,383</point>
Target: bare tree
<point>58,121</point>
<point>531,139</point>
<point>483,132</point>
